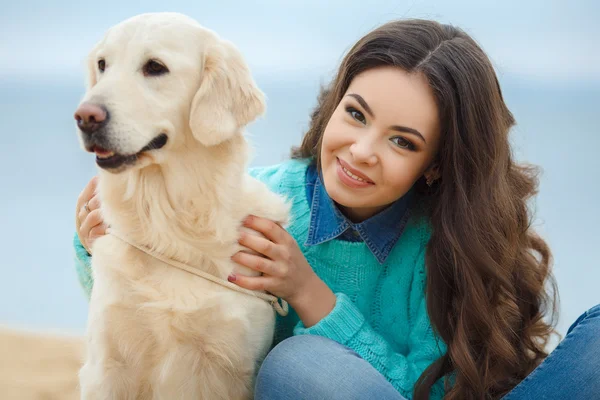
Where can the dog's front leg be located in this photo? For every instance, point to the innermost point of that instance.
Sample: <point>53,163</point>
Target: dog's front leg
<point>108,381</point>
<point>107,373</point>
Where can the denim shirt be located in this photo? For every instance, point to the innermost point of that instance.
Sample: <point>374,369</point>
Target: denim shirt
<point>379,232</point>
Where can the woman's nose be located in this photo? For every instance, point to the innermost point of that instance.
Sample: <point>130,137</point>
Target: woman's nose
<point>364,151</point>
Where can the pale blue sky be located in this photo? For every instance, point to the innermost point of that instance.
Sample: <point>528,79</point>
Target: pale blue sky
<point>541,40</point>
<point>545,52</point>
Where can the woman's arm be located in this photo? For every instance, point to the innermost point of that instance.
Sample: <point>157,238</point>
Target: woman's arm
<point>83,266</point>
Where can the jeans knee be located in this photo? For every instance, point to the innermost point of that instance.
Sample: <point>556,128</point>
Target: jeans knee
<point>301,367</point>
<point>282,366</point>
<point>292,349</point>
<point>310,366</point>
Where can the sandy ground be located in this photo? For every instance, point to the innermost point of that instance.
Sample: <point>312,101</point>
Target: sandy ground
<point>39,366</point>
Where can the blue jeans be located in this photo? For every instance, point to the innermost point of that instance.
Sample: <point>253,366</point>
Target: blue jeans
<point>572,370</point>
<point>314,367</point>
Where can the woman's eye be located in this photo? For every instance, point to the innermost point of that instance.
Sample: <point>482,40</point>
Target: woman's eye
<point>402,143</point>
<point>101,65</point>
<point>357,115</point>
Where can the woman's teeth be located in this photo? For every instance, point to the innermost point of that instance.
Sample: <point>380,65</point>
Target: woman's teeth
<point>351,175</point>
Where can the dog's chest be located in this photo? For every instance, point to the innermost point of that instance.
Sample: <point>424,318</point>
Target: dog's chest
<point>165,301</point>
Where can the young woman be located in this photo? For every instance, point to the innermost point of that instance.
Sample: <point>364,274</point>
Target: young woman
<point>410,264</point>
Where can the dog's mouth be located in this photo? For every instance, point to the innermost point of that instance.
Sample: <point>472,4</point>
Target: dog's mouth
<point>108,159</point>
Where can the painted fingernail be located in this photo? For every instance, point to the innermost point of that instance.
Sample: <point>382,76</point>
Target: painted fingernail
<point>231,278</point>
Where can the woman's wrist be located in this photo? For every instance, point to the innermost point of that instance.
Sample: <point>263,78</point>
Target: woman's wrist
<point>313,303</point>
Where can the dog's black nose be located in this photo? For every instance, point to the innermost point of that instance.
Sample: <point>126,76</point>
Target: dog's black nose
<point>91,117</point>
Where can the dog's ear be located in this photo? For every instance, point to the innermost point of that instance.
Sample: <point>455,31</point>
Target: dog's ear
<point>92,68</point>
<point>227,99</point>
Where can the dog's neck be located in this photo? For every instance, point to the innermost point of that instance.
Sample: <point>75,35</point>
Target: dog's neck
<point>182,208</point>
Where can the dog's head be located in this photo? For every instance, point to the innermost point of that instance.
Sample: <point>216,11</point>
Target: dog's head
<point>156,81</point>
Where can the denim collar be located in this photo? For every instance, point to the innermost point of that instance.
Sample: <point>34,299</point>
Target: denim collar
<point>380,232</point>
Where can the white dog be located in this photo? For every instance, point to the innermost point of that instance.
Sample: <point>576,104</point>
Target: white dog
<point>165,112</point>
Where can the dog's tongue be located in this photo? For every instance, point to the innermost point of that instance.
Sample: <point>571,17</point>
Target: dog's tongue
<point>102,153</point>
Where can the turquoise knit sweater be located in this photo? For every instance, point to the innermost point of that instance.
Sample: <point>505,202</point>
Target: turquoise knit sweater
<point>380,311</point>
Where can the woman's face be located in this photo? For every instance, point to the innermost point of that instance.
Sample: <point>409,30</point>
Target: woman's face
<point>382,137</point>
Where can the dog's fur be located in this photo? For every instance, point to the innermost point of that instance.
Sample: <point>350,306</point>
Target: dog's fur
<point>154,331</point>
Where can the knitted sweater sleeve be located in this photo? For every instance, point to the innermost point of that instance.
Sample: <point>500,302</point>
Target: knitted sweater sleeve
<point>347,325</point>
<point>83,266</point>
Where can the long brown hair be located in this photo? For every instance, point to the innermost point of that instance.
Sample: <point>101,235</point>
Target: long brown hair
<point>489,285</point>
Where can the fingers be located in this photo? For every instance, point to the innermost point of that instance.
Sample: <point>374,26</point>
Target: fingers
<point>250,232</point>
<point>260,245</point>
<point>260,283</point>
<point>270,229</point>
<point>94,218</point>
<point>96,232</point>
<point>92,204</point>
<point>87,193</point>
<point>257,263</point>
<point>80,213</point>
<point>91,228</point>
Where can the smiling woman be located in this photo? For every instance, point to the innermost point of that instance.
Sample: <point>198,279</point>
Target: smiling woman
<point>373,140</point>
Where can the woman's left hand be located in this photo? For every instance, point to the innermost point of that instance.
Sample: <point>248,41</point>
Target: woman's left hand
<point>285,271</point>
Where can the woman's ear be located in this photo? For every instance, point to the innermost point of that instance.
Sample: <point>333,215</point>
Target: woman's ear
<point>432,174</point>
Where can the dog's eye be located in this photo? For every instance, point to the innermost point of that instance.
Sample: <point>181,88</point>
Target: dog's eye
<point>154,68</point>
<point>101,65</point>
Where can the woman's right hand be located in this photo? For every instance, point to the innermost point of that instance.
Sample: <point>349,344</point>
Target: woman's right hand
<point>88,217</point>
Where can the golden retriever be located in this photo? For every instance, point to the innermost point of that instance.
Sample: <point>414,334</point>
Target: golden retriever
<point>165,112</point>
